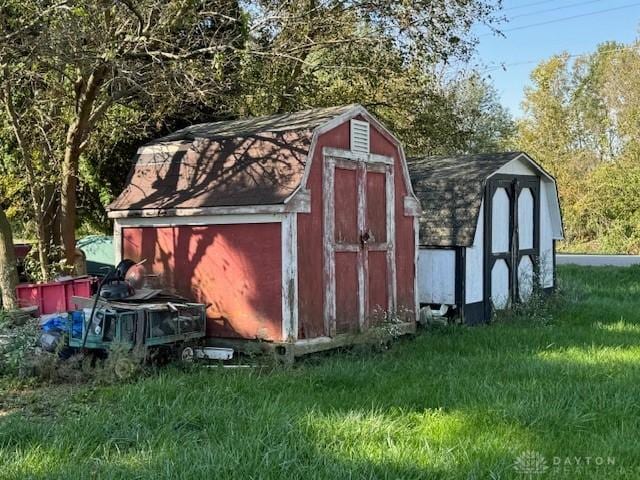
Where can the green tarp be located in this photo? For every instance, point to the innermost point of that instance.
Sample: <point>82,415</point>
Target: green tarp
<point>99,251</point>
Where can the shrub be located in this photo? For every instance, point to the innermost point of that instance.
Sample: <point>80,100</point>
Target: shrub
<point>539,308</point>
<point>18,345</point>
<point>385,324</point>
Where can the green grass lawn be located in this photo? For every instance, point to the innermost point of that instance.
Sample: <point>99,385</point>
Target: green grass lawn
<point>452,403</point>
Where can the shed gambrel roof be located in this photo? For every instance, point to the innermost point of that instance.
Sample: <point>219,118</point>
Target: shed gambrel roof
<point>251,161</point>
<point>450,190</point>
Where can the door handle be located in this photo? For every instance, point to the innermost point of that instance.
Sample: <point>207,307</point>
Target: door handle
<point>366,237</point>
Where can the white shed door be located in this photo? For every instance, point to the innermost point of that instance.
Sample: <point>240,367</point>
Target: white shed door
<point>500,284</point>
<point>500,234</point>
<point>525,278</point>
<point>513,247</point>
<point>501,246</point>
<point>525,219</point>
<point>526,242</point>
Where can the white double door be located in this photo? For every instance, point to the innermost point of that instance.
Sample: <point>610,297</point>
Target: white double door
<point>512,245</point>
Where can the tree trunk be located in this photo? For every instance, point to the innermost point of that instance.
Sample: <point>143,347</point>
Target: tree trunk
<point>34,188</point>
<point>40,214</point>
<point>56,226</point>
<point>68,202</point>
<point>48,234</point>
<point>51,220</point>
<point>77,134</point>
<point>43,248</point>
<point>8,270</point>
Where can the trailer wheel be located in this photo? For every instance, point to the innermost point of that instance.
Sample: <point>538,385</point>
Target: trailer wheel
<point>124,368</point>
<point>187,355</point>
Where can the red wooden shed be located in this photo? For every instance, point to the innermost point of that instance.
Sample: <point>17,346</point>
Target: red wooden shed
<point>294,228</point>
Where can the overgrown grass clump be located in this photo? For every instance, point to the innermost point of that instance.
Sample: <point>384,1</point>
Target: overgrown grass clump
<point>17,344</point>
<point>455,402</point>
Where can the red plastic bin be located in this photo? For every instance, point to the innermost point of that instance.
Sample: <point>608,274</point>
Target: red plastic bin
<point>54,297</point>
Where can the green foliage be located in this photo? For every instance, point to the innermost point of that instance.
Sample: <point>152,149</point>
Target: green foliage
<point>13,184</point>
<point>385,325</point>
<point>104,166</point>
<point>22,358</point>
<point>583,124</point>
<point>33,269</point>
<point>17,346</point>
<point>430,107</point>
<point>121,364</point>
<point>538,309</point>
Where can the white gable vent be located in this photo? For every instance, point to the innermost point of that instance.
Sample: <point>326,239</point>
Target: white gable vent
<point>359,136</point>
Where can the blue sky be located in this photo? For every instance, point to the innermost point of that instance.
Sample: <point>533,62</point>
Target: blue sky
<point>536,43</point>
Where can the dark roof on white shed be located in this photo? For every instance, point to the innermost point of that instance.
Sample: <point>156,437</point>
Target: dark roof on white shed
<point>450,190</point>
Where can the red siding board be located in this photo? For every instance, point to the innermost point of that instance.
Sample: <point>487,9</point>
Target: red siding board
<point>377,206</point>
<point>346,201</point>
<point>377,282</point>
<point>346,292</point>
<point>223,266</point>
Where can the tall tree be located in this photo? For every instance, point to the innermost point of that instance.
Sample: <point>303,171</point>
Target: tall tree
<point>91,56</point>
<point>582,122</point>
<point>36,158</point>
<point>484,125</point>
<point>385,55</point>
<point>168,57</point>
<point>8,271</point>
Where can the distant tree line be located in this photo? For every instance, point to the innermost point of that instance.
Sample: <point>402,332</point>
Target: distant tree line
<point>582,122</point>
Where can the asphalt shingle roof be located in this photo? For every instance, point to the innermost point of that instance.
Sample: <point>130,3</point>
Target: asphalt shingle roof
<point>450,190</point>
<point>250,161</point>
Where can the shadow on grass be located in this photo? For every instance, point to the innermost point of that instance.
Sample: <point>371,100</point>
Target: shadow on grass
<point>454,403</point>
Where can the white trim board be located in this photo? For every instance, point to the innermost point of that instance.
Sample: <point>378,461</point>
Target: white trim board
<point>301,202</point>
<point>416,256</point>
<point>117,241</point>
<point>289,289</point>
<point>199,220</point>
<point>329,274</point>
<point>164,147</point>
<point>390,194</point>
<point>357,156</point>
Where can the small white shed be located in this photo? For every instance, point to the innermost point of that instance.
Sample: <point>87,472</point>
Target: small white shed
<point>487,232</point>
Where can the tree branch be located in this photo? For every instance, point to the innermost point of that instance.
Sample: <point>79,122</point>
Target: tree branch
<point>133,9</point>
<point>37,20</point>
